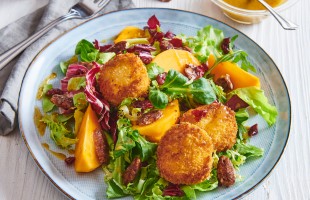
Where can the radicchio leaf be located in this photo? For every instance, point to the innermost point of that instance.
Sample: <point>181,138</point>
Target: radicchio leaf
<point>235,103</point>
<point>193,72</point>
<point>143,51</point>
<point>169,35</point>
<point>165,45</point>
<point>74,70</point>
<point>143,104</point>
<point>141,47</point>
<point>176,42</point>
<point>153,22</point>
<point>117,48</point>
<point>173,190</point>
<point>146,57</point>
<point>98,103</point>
<point>103,48</point>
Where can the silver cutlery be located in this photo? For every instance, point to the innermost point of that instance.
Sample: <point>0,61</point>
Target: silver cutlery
<point>82,10</point>
<point>287,25</point>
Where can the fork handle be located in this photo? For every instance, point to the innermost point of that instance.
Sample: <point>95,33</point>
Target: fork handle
<point>6,57</point>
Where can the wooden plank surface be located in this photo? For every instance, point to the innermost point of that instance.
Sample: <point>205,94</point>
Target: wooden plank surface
<point>20,178</point>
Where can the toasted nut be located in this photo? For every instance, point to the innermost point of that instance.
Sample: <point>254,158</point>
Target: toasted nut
<point>131,172</point>
<point>101,147</point>
<point>225,172</point>
<point>62,101</point>
<point>149,117</point>
<point>225,83</point>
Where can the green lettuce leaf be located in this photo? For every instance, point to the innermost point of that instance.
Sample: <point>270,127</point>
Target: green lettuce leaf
<point>256,98</point>
<point>134,41</point>
<point>201,91</point>
<point>153,70</point>
<point>86,50</point>
<point>130,144</point>
<point>59,133</point>
<point>113,190</point>
<point>64,65</point>
<point>207,185</point>
<point>146,149</point>
<point>105,57</point>
<point>241,115</point>
<point>248,150</point>
<point>80,101</point>
<point>177,85</point>
<point>124,142</point>
<point>242,151</point>
<point>63,118</point>
<point>76,83</point>
<point>207,41</point>
<point>244,62</point>
<point>236,158</point>
<point>129,138</point>
<point>47,105</point>
<point>219,92</point>
<point>158,98</point>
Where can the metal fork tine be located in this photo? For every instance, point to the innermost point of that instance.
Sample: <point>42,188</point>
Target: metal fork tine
<point>103,3</point>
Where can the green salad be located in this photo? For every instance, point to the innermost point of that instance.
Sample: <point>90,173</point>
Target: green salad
<point>163,115</point>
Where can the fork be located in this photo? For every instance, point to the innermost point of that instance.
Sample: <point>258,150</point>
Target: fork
<point>82,10</point>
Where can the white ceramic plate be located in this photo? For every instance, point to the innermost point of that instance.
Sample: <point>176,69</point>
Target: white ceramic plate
<point>91,185</point>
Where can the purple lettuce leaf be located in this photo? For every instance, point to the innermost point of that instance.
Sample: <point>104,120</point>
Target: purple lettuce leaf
<point>98,103</point>
<point>74,70</point>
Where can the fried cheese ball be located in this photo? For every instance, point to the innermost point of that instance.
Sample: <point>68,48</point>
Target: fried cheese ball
<point>218,121</point>
<point>184,154</point>
<point>123,76</point>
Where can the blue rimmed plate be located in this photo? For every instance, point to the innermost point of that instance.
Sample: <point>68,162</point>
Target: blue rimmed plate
<point>91,185</point>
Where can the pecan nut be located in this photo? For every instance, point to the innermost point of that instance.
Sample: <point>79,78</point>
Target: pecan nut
<point>132,170</point>
<point>70,160</point>
<point>53,91</point>
<point>225,172</point>
<point>62,101</point>
<point>149,117</point>
<point>225,83</point>
<point>101,147</point>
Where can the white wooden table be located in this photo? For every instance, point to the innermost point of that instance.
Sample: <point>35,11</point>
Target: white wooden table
<point>20,178</point>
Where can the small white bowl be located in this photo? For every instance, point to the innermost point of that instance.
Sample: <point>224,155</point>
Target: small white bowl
<point>245,16</point>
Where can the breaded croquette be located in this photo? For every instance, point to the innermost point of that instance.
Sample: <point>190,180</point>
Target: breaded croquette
<point>184,154</point>
<point>123,76</point>
<point>218,121</point>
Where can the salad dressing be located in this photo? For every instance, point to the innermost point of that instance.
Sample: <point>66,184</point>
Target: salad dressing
<point>44,82</point>
<point>71,151</point>
<point>253,4</point>
<point>61,156</point>
<point>41,126</point>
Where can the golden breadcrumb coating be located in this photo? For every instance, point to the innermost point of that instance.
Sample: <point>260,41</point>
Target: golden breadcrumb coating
<point>218,121</point>
<point>184,154</point>
<point>123,76</point>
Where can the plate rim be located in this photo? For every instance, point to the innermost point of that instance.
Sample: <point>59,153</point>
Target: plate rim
<point>245,193</point>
